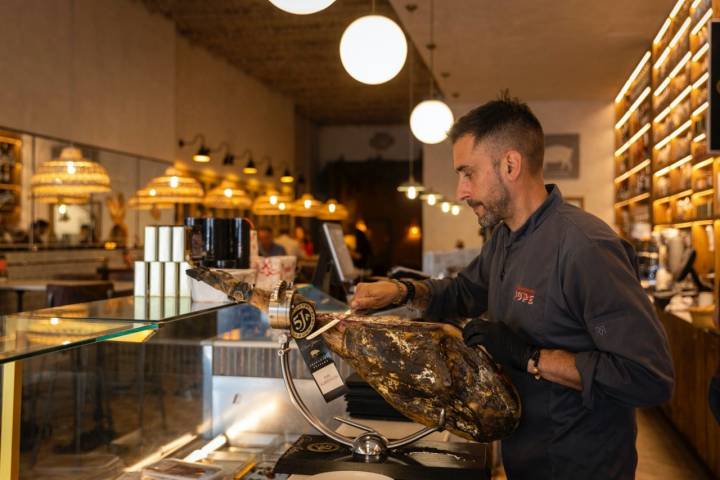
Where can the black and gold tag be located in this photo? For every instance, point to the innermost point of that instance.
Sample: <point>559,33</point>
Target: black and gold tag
<point>302,320</point>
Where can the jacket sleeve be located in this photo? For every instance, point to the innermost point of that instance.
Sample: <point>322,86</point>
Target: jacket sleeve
<point>631,362</point>
<point>465,295</point>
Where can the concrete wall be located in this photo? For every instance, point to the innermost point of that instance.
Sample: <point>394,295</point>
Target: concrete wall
<point>592,120</point>
<point>101,73</point>
<point>110,74</point>
<point>226,105</point>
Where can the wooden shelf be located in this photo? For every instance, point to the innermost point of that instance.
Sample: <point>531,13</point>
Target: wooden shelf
<point>635,199</point>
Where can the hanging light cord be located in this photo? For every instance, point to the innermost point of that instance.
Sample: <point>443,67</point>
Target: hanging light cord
<point>410,109</point>
<point>431,46</point>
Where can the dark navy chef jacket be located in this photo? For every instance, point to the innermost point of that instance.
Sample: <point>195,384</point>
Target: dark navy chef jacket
<point>565,280</point>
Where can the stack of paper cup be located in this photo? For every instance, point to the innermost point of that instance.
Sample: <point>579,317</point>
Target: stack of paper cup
<point>162,273</point>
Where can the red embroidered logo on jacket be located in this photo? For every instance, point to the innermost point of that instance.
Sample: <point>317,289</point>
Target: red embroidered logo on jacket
<point>524,295</point>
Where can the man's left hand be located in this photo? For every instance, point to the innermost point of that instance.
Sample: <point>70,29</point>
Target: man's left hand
<point>505,346</point>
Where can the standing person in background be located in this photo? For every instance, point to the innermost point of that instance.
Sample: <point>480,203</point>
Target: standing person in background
<point>266,246</point>
<point>291,245</point>
<point>305,243</point>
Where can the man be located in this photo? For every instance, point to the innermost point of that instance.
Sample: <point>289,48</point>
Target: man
<point>569,322</point>
<point>266,246</point>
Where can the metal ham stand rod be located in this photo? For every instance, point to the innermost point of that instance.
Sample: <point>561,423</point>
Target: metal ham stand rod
<point>370,446</point>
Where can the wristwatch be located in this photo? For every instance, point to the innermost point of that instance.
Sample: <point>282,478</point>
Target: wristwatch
<point>535,361</point>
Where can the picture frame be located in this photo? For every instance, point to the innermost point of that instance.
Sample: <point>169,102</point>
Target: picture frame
<point>562,156</point>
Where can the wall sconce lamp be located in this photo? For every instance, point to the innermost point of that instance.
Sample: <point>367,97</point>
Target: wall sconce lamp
<point>250,168</point>
<point>229,158</point>
<point>287,176</point>
<point>269,171</point>
<point>203,153</point>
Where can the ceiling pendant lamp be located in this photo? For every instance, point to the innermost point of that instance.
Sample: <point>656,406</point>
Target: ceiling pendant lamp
<point>70,175</point>
<point>306,206</point>
<point>431,119</point>
<point>142,200</point>
<point>175,187</point>
<point>411,188</point>
<point>333,211</point>
<point>373,49</point>
<point>445,207</point>
<point>227,195</point>
<point>431,197</point>
<point>302,7</point>
<point>202,155</point>
<point>62,199</point>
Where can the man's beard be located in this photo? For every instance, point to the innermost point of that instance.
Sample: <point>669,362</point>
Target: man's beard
<point>496,209</point>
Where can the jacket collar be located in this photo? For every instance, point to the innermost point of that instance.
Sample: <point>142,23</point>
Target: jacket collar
<point>551,202</point>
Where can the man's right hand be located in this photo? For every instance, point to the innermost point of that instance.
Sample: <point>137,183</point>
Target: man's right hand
<point>371,296</point>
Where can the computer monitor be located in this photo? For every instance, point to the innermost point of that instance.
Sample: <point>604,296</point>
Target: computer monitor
<point>335,270</point>
<point>335,239</point>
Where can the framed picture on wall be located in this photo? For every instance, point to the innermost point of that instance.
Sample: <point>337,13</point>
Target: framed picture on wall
<point>576,201</point>
<point>562,156</point>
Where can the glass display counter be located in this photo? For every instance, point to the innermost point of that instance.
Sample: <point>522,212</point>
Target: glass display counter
<point>103,389</point>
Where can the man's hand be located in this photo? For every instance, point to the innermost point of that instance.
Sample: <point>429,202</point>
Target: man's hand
<point>370,296</point>
<point>505,346</point>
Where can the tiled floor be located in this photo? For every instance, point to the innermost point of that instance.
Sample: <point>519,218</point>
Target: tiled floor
<point>661,452</point>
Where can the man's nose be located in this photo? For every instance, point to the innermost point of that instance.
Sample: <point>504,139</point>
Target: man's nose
<point>462,193</point>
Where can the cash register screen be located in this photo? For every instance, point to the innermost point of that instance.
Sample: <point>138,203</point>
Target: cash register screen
<point>339,251</point>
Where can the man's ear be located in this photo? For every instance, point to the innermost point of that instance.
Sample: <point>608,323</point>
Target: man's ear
<point>512,165</point>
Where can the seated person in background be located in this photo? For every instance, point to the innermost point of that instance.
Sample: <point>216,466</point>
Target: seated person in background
<point>304,241</point>
<point>266,246</point>
<point>87,235</point>
<point>40,233</point>
<point>291,246</point>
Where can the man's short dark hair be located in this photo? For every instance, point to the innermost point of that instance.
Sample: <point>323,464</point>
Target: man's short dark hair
<point>508,120</point>
<point>265,228</point>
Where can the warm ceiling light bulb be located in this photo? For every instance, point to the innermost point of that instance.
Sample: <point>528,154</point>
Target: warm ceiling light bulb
<point>412,193</point>
<point>455,210</point>
<point>302,7</point>
<point>54,320</point>
<point>445,207</point>
<point>228,192</point>
<point>152,192</point>
<point>174,182</point>
<point>431,199</point>
<point>307,203</point>
<point>282,206</point>
<point>430,121</point>
<point>273,199</point>
<point>62,209</point>
<point>373,49</point>
<point>332,207</point>
<point>71,168</point>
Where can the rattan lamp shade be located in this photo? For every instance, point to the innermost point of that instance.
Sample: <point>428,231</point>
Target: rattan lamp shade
<point>175,187</point>
<point>70,175</point>
<point>333,211</point>
<point>143,201</point>
<point>227,195</point>
<point>272,203</point>
<point>306,206</point>
<point>62,199</point>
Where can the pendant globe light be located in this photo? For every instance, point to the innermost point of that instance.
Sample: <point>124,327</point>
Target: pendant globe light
<point>70,175</point>
<point>431,119</point>
<point>227,195</point>
<point>373,49</point>
<point>302,7</point>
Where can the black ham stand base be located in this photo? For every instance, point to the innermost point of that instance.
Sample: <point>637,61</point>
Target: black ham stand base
<point>422,460</point>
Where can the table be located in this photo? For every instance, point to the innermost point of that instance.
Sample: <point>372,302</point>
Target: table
<point>40,285</point>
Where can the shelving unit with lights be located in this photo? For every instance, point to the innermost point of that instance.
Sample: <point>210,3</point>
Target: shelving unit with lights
<point>660,133</point>
<point>632,148</point>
